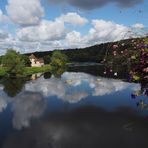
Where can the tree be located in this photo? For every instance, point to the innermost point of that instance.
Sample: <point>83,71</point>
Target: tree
<point>26,60</point>
<point>58,60</point>
<point>13,62</point>
<point>1,57</point>
<point>47,59</point>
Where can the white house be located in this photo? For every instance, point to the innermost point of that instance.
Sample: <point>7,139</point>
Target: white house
<point>35,62</point>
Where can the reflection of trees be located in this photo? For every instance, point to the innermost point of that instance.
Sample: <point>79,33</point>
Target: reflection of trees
<point>142,91</point>
<point>47,75</point>
<point>13,86</point>
<point>143,104</point>
<point>98,70</point>
<point>58,72</point>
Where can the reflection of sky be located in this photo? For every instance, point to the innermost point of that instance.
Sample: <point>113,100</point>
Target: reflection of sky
<point>4,99</point>
<point>26,106</point>
<point>88,127</point>
<point>72,90</point>
<point>73,87</point>
<point>78,89</point>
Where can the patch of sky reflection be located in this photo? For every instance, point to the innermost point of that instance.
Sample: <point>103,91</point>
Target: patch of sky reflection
<point>71,91</point>
<point>76,89</point>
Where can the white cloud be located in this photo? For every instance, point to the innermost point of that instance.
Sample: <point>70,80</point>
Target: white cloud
<point>56,34</point>
<point>74,40</point>
<point>73,18</point>
<point>46,30</point>
<point>3,34</point>
<point>25,12</point>
<point>50,30</point>
<point>101,31</point>
<point>105,31</point>
<point>3,18</point>
<point>138,26</point>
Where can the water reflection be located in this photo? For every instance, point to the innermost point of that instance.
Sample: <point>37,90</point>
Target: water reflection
<point>73,110</point>
<point>13,86</point>
<point>84,127</point>
<point>4,99</point>
<point>47,75</point>
<point>36,76</point>
<point>27,106</point>
<point>72,87</point>
<point>58,72</point>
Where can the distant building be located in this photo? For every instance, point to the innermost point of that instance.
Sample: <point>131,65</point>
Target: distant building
<point>36,76</point>
<point>36,62</point>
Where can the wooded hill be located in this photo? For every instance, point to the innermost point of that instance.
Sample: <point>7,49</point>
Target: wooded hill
<point>96,53</point>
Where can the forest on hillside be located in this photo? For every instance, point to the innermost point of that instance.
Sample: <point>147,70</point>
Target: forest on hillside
<point>99,53</point>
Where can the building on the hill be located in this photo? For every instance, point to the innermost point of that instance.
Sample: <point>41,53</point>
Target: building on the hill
<point>36,62</point>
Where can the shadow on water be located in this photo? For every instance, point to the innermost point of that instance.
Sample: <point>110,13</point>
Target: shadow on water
<point>84,128</point>
<point>13,86</point>
<point>101,70</point>
<point>47,75</point>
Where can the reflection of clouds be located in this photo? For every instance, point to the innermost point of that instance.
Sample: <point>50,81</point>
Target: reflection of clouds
<point>86,127</point>
<point>74,82</point>
<point>25,107</point>
<point>4,99</point>
<point>51,87</point>
<point>3,104</point>
<point>108,86</point>
<point>57,87</point>
<point>77,78</point>
<point>101,86</point>
<point>75,97</point>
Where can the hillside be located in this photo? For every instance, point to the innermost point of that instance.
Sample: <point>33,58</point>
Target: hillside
<point>97,53</point>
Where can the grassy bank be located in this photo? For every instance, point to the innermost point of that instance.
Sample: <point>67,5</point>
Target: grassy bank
<point>33,70</point>
<point>2,71</point>
<point>28,70</point>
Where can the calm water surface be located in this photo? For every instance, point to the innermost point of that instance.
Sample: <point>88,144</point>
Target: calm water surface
<point>76,110</point>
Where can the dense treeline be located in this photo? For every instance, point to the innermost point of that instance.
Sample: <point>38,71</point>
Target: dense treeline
<point>95,53</point>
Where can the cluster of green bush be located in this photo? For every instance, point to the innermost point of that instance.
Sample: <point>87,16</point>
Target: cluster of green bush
<point>15,64</point>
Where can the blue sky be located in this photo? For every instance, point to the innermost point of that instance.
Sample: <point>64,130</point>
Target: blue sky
<point>39,25</point>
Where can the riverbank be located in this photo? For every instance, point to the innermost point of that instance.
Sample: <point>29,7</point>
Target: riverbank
<point>28,70</point>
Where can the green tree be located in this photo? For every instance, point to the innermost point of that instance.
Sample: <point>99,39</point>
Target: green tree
<point>47,59</point>
<point>13,62</point>
<point>58,60</point>
<point>26,60</point>
<point>1,57</point>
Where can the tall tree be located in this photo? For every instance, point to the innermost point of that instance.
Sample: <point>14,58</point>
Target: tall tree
<point>26,60</point>
<point>13,62</point>
<point>58,60</point>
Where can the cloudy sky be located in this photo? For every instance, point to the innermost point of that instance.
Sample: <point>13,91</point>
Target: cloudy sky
<point>39,25</point>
